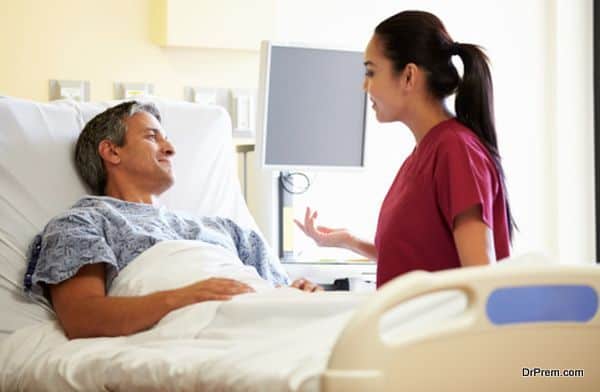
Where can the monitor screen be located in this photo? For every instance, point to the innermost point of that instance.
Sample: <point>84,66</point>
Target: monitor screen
<point>311,108</point>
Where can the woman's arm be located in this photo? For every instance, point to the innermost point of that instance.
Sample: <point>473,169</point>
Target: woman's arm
<point>474,240</point>
<point>339,238</point>
<point>362,247</point>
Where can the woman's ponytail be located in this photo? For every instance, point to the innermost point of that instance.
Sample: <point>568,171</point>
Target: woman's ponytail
<point>474,106</point>
<point>474,102</point>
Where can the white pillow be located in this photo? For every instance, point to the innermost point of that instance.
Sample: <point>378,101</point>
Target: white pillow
<point>38,178</point>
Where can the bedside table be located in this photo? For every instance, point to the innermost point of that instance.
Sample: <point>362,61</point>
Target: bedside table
<point>360,275</point>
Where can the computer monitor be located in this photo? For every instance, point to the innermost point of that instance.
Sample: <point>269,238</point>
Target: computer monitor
<point>311,108</point>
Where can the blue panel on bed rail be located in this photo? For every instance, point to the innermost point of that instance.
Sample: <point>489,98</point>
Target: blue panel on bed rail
<point>527,304</point>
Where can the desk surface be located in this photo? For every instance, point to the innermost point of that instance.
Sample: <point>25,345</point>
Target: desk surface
<point>329,262</point>
<point>327,272</point>
<point>243,148</point>
<point>244,141</point>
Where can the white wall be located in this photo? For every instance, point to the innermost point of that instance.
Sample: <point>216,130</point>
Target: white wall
<point>105,42</point>
<point>574,133</point>
<point>541,65</point>
<point>541,52</point>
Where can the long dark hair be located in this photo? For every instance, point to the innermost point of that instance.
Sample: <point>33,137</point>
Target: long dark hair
<point>420,37</point>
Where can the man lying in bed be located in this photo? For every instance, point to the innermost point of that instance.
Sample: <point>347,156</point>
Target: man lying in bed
<point>123,155</point>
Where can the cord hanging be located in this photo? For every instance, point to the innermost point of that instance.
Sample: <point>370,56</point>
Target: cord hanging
<point>290,186</point>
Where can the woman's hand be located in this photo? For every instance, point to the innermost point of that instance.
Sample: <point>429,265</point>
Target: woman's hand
<point>323,236</point>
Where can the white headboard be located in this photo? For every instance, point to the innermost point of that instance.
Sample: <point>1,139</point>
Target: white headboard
<point>38,178</point>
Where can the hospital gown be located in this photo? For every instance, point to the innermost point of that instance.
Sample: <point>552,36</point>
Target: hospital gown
<point>113,231</point>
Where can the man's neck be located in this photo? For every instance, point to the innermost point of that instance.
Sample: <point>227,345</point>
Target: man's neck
<point>130,195</point>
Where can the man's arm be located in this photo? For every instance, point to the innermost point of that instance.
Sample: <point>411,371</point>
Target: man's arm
<point>84,310</point>
<point>252,250</point>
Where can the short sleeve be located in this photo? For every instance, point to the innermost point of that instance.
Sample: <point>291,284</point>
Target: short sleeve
<point>464,177</point>
<point>67,243</point>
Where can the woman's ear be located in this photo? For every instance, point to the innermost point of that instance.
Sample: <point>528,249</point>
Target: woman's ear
<point>410,75</point>
<point>108,152</point>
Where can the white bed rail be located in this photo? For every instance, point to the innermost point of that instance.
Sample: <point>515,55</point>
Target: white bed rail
<point>525,328</point>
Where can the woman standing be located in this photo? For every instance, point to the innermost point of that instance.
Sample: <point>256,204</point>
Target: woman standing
<point>447,206</point>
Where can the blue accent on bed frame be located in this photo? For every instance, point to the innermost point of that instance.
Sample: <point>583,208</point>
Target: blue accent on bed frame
<point>539,303</point>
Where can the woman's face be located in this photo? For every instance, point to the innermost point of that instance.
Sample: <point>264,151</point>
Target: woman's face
<point>384,86</point>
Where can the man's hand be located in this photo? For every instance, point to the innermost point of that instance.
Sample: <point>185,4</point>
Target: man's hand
<point>306,285</point>
<point>84,309</point>
<point>213,289</point>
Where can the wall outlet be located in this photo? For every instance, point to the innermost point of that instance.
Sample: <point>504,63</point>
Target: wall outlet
<point>77,90</point>
<point>128,90</point>
<point>207,95</point>
<point>243,112</point>
<point>239,103</point>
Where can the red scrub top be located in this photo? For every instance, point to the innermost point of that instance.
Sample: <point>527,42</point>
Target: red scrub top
<point>446,174</point>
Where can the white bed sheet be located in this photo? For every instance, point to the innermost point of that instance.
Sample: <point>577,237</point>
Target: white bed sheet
<point>283,346</point>
<point>277,339</point>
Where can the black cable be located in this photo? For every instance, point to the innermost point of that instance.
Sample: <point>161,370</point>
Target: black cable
<point>287,183</point>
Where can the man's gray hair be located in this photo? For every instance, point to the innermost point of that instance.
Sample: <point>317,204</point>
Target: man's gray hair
<point>108,125</point>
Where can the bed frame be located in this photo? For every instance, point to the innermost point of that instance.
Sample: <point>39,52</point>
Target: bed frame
<point>523,327</point>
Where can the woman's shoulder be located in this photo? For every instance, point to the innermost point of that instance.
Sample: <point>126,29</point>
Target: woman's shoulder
<point>456,137</point>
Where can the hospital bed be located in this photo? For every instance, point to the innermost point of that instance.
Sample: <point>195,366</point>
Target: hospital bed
<point>521,325</point>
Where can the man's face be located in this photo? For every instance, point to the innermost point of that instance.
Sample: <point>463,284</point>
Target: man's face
<point>145,158</point>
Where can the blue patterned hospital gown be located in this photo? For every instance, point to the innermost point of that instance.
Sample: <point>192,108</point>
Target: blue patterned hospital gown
<point>105,229</point>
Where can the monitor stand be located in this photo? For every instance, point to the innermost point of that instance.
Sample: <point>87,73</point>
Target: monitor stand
<point>286,217</point>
